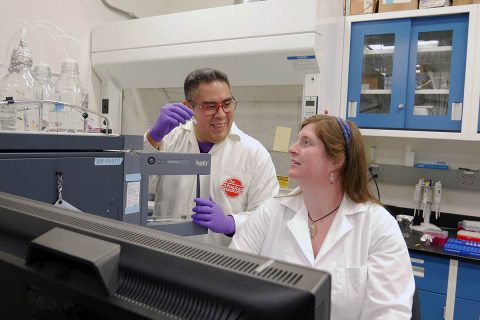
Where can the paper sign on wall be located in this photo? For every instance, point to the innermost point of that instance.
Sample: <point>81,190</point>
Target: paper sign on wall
<point>282,139</point>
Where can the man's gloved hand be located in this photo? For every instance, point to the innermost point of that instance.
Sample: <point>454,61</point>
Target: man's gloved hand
<point>171,116</point>
<point>210,215</point>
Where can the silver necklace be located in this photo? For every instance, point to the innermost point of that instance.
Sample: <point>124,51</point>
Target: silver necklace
<point>312,227</point>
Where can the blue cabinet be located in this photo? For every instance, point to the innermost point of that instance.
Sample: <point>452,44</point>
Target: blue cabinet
<point>408,73</point>
<point>468,281</point>
<point>467,302</point>
<point>432,305</point>
<point>466,310</point>
<point>431,279</point>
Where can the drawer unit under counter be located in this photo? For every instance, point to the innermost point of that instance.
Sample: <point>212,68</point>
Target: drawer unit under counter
<point>431,272</point>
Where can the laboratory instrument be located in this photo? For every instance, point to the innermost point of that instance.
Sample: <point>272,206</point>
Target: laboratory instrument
<point>164,163</point>
<point>64,264</point>
<point>91,177</point>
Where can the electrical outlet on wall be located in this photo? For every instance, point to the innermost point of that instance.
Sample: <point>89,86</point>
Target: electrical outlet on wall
<point>374,171</point>
<point>468,179</point>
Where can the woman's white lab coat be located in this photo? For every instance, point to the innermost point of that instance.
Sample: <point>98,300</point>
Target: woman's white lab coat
<point>364,251</point>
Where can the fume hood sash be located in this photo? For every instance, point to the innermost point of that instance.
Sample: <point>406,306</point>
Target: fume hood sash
<point>252,43</point>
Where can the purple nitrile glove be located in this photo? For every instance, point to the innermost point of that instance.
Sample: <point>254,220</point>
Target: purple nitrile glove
<point>171,116</point>
<point>210,215</point>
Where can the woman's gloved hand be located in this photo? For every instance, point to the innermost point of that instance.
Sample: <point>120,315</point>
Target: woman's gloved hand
<point>171,115</point>
<point>210,215</point>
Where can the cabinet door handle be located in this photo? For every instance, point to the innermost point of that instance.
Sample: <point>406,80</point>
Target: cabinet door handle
<point>401,106</point>
<point>418,271</point>
<point>457,108</point>
<point>418,261</point>
<point>352,109</point>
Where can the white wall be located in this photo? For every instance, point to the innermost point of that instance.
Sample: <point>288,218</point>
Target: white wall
<point>456,154</point>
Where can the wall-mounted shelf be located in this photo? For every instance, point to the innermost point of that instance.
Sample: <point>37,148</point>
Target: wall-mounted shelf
<point>452,179</point>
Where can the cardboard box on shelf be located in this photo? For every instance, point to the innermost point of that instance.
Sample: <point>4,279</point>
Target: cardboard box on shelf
<point>425,4</point>
<point>462,2</point>
<point>373,81</point>
<point>397,5</point>
<point>363,6</point>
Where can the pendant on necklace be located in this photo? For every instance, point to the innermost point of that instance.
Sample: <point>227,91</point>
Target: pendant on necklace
<point>312,228</point>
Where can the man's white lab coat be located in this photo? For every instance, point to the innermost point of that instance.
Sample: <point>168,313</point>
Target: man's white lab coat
<point>364,251</point>
<point>242,177</point>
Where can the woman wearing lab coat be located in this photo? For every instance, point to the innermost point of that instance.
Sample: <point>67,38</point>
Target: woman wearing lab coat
<point>332,222</point>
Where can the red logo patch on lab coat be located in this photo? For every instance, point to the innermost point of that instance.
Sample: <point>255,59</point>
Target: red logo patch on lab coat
<point>232,187</point>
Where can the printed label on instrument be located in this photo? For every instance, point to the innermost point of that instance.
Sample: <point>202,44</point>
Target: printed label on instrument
<point>108,161</point>
<point>132,204</point>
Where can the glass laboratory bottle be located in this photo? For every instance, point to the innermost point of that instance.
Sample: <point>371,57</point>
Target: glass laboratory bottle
<point>18,85</point>
<point>69,89</point>
<point>44,91</point>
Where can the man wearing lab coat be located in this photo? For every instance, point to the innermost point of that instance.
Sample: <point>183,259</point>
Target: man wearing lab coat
<point>242,172</point>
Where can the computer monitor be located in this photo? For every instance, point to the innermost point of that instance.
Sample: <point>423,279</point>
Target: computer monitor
<point>59,264</point>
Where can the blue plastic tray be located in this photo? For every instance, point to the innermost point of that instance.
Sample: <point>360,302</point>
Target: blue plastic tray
<point>462,248</point>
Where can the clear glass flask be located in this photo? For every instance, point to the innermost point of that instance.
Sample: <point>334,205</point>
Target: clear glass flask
<point>69,89</point>
<point>18,85</point>
<point>49,119</point>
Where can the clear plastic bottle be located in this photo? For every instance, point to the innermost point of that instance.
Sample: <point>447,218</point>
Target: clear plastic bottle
<point>18,85</point>
<point>49,119</point>
<point>69,89</point>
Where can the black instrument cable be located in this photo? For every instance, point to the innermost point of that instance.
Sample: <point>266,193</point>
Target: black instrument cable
<point>374,176</point>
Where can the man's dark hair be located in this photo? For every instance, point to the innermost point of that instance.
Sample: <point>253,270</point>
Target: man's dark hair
<point>203,75</point>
